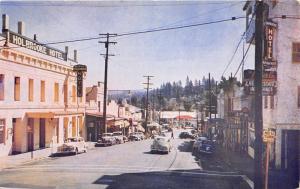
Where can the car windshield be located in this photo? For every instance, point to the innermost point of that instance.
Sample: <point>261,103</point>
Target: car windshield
<point>117,134</point>
<point>107,134</point>
<point>71,140</point>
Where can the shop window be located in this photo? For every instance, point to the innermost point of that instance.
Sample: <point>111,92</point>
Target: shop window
<point>2,131</point>
<point>1,87</point>
<point>42,91</point>
<point>30,90</point>
<point>17,89</point>
<point>272,102</point>
<point>266,102</point>
<point>56,92</point>
<point>296,53</point>
<point>73,93</point>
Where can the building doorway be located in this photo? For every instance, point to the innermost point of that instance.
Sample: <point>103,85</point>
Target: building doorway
<point>16,135</point>
<point>42,133</point>
<point>290,156</point>
<point>30,145</point>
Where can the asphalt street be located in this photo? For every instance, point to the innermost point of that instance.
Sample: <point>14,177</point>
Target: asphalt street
<point>128,166</point>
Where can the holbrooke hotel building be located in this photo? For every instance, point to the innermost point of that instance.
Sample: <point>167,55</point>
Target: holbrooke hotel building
<point>38,103</point>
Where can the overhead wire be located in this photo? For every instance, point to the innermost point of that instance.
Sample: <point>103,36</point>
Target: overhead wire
<point>141,32</point>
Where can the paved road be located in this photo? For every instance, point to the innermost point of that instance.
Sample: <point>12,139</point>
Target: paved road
<point>127,166</point>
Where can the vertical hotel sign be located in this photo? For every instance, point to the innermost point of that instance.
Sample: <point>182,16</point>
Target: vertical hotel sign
<point>269,64</point>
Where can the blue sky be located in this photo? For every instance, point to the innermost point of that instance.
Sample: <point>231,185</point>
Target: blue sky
<point>167,55</point>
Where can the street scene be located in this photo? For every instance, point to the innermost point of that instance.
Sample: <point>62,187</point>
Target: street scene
<point>150,94</point>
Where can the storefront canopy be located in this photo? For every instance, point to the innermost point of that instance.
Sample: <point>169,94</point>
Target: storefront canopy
<point>50,115</point>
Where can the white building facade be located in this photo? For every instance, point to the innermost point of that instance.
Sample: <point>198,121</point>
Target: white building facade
<point>281,109</point>
<point>39,106</point>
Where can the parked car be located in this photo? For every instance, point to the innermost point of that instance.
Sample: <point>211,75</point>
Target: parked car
<point>119,137</point>
<point>184,135</point>
<point>197,143</point>
<point>73,145</point>
<point>206,147</point>
<point>161,144</point>
<point>134,137</point>
<point>125,138</point>
<point>141,135</point>
<point>106,139</point>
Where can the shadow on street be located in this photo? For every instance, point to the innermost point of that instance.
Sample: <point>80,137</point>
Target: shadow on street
<point>177,179</point>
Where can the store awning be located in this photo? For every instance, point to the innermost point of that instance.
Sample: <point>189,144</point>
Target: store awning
<point>40,114</point>
<point>140,128</point>
<point>49,115</point>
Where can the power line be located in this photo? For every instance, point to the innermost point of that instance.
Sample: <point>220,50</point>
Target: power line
<point>142,32</point>
<point>243,57</point>
<point>118,4</point>
<point>231,59</point>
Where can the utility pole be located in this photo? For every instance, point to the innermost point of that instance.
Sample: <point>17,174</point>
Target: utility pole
<point>209,90</point>
<point>216,105</point>
<point>258,145</point>
<point>107,43</point>
<point>148,77</point>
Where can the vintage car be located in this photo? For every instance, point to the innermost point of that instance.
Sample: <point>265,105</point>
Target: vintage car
<point>134,137</point>
<point>184,135</point>
<point>119,137</point>
<point>106,139</point>
<point>161,144</point>
<point>197,143</point>
<point>206,147</point>
<point>72,145</point>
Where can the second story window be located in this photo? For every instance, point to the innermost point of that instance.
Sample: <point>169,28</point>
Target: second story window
<point>73,93</point>
<point>266,102</point>
<point>1,87</point>
<point>17,89</point>
<point>272,102</point>
<point>296,53</point>
<point>56,92</point>
<point>30,90</point>
<point>298,96</point>
<point>42,91</point>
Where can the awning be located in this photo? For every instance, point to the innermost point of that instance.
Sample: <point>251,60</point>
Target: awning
<point>140,128</point>
<point>40,114</point>
<point>184,117</point>
<point>50,115</point>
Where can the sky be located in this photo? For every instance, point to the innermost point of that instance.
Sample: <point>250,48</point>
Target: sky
<point>167,55</point>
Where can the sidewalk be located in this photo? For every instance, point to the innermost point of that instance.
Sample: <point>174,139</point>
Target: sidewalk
<point>23,158</point>
<point>244,164</point>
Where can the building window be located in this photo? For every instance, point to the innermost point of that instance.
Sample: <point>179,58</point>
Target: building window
<point>65,93</point>
<point>1,87</point>
<point>17,89</point>
<point>266,102</point>
<point>73,93</point>
<point>56,92</point>
<point>296,53</point>
<point>42,91</point>
<point>2,131</point>
<point>298,96</point>
<point>272,102</point>
<point>30,90</point>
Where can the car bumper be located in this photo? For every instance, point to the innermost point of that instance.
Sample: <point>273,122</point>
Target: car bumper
<point>103,144</point>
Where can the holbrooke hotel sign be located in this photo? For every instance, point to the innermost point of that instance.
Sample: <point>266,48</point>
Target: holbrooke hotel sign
<point>33,45</point>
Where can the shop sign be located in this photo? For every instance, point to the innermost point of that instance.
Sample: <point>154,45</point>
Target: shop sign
<point>27,43</point>
<point>79,83</point>
<point>269,135</point>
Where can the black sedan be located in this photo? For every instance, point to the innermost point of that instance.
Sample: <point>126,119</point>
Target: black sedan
<point>184,135</point>
<point>206,147</point>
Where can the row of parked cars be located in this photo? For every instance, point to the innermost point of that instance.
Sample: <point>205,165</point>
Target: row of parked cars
<point>109,139</point>
<point>75,145</point>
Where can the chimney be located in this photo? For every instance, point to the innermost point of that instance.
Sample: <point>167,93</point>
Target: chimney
<point>5,22</point>
<point>34,37</point>
<point>21,28</point>
<point>75,55</point>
